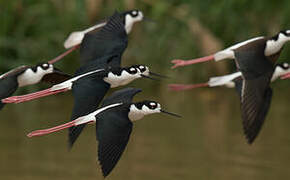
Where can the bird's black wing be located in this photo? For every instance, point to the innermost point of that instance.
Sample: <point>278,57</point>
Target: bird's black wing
<point>15,71</point>
<point>8,86</point>
<point>113,132</point>
<point>88,93</point>
<point>256,93</point>
<point>122,96</point>
<point>56,77</point>
<point>111,39</point>
<point>238,85</point>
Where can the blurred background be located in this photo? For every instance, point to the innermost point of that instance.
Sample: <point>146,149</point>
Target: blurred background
<point>207,143</point>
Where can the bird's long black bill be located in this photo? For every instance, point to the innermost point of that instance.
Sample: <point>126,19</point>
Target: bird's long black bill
<point>158,75</point>
<point>172,114</point>
<point>148,77</point>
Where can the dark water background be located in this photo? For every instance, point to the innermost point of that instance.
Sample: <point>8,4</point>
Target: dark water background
<point>207,143</point>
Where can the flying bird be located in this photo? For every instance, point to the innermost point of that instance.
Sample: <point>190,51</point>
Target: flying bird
<point>75,39</point>
<point>259,49</point>
<point>114,124</point>
<point>28,75</point>
<point>113,40</point>
<point>231,80</point>
<point>255,58</point>
<point>254,91</point>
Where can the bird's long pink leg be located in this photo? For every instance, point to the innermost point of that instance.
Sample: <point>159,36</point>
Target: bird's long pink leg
<point>285,76</point>
<point>57,128</point>
<point>182,87</point>
<point>63,54</point>
<point>180,62</point>
<point>31,96</point>
<point>51,130</point>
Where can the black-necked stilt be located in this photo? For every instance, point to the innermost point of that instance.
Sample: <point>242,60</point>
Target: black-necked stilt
<point>28,75</point>
<point>114,124</point>
<point>255,95</point>
<point>261,49</point>
<point>75,39</point>
<point>255,59</point>
<point>230,80</point>
<point>88,90</point>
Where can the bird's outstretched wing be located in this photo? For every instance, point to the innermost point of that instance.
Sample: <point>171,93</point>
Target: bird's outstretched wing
<point>8,86</point>
<point>88,93</point>
<point>56,77</point>
<point>113,133</point>
<point>122,96</point>
<point>255,102</point>
<point>111,39</point>
<point>15,71</point>
<point>256,93</point>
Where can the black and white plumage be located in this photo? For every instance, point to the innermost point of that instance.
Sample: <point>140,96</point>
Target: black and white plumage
<point>114,124</point>
<point>254,91</point>
<point>258,49</point>
<point>129,19</point>
<point>255,58</point>
<point>88,90</point>
<point>231,80</point>
<point>29,75</point>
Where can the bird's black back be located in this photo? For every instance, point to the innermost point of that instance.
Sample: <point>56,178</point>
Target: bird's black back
<point>112,39</point>
<point>124,96</point>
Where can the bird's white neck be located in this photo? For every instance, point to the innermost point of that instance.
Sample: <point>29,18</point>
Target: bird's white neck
<point>120,80</point>
<point>273,46</point>
<point>29,77</point>
<point>279,72</point>
<point>137,114</point>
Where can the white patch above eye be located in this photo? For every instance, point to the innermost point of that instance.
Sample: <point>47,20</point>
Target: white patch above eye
<point>132,69</point>
<point>152,104</point>
<point>45,65</point>
<point>286,65</point>
<point>288,31</point>
<point>134,13</point>
<point>141,67</point>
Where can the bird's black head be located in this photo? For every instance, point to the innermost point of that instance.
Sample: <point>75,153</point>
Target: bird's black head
<point>285,33</point>
<point>131,70</point>
<point>147,73</point>
<point>142,68</point>
<point>131,17</point>
<point>284,65</point>
<point>43,66</point>
<point>148,107</point>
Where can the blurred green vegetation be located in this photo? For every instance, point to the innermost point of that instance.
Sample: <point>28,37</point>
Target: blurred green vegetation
<point>34,31</point>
